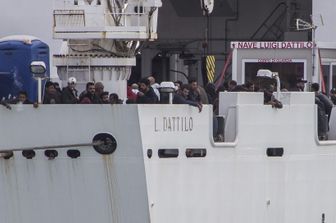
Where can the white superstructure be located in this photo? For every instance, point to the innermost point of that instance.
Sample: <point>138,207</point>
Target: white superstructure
<point>101,38</point>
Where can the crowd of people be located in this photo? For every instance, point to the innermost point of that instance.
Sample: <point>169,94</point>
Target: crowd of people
<point>53,94</point>
<point>93,94</point>
<point>147,91</point>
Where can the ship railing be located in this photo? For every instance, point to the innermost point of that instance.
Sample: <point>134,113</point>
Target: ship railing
<point>77,18</point>
<point>52,147</point>
<point>78,24</point>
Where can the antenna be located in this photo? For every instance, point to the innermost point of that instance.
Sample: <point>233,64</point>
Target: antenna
<point>304,25</point>
<point>315,22</point>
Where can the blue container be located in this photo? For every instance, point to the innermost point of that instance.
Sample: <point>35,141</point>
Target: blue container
<point>16,55</point>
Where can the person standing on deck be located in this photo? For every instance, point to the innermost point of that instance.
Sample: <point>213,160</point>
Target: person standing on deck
<point>51,95</point>
<point>99,88</point>
<point>315,87</point>
<point>90,97</point>
<point>196,92</point>
<point>22,98</point>
<point>146,95</point>
<point>155,86</point>
<point>69,93</point>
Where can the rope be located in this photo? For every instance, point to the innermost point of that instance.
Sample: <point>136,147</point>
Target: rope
<point>226,65</point>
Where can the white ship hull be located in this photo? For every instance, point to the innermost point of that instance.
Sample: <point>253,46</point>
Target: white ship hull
<point>235,182</point>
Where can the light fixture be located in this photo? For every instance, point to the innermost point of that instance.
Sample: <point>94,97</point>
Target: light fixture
<point>269,74</point>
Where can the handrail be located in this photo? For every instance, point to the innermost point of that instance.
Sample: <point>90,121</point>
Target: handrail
<point>269,17</point>
<point>83,15</point>
<point>51,147</point>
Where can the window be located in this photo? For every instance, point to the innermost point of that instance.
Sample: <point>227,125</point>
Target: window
<point>195,153</point>
<point>168,153</point>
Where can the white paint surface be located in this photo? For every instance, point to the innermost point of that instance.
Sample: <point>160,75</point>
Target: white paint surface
<point>325,32</point>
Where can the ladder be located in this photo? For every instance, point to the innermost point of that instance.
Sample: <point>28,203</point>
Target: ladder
<point>272,27</point>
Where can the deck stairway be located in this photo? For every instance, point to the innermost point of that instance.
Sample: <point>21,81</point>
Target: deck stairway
<point>278,22</point>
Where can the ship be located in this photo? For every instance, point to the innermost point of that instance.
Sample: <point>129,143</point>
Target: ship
<point>130,163</point>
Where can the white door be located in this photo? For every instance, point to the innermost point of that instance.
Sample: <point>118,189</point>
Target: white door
<point>329,75</point>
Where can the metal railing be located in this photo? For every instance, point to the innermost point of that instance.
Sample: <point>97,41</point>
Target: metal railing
<point>78,18</point>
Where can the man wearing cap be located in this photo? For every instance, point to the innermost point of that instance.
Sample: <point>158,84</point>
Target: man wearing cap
<point>69,93</point>
<point>299,85</point>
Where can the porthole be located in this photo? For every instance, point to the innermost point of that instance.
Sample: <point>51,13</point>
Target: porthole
<point>51,154</point>
<point>73,153</point>
<point>6,155</point>
<point>104,143</point>
<point>149,153</point>
<point>29,154</point>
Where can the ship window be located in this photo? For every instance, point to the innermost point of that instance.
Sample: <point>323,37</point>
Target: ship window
<point>285,67</point>
<point>138,9</point>
<point>29,154</point>
<point>6,154</point>
<point>195,153</point>
<point>51,154</point>
<point>168,153</point>
<point>149,153</point>
<point>275,152</point>
<point>73,153</point>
